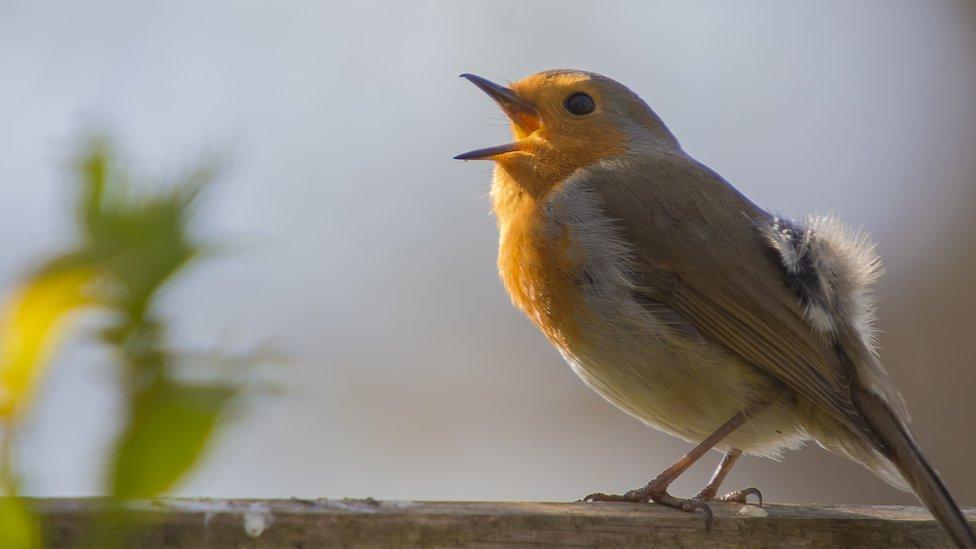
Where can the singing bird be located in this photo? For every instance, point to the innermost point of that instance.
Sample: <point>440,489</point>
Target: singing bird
<point>685,304</point>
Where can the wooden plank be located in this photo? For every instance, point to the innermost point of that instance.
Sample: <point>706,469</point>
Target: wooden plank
<point>298,523</point>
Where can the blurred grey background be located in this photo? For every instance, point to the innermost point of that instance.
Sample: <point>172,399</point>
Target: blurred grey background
<point>368,253</point>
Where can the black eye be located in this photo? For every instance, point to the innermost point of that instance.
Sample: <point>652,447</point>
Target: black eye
<point>579,104</point>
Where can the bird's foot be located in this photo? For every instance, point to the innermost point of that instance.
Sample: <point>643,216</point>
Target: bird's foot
<point>656,491</point>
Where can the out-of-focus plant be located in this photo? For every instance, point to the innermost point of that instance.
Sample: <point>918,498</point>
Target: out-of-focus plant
<point>133,240</point>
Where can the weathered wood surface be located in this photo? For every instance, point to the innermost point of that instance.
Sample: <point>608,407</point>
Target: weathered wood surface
<point>298,523</point>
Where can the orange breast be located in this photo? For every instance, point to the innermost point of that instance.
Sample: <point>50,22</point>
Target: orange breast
<point>540,267</point>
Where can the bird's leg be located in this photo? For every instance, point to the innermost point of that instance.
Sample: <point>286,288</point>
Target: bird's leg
<point>657,489</point>
<point>739,496</point>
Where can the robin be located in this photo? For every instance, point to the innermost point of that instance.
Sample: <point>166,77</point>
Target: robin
<point>685,304</point>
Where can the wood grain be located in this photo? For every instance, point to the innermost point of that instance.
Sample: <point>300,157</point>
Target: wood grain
<point>297,523</point>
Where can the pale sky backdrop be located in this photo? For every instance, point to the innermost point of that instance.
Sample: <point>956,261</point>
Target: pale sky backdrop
<point>369,254</point>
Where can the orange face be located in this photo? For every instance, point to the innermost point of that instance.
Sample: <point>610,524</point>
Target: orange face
<point>563,121</point>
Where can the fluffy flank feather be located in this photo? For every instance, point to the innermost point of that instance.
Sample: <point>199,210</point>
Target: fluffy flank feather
<point>833,268</point>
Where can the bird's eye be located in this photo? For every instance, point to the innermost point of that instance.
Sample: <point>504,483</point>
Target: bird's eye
<point>579,104</point>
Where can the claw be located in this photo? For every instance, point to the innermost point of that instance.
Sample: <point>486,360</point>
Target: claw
<point>741,496</point>
<point>694,505</point>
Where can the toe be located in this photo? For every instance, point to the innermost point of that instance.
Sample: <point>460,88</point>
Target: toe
<point>600,496</point>
<point>686,505</point>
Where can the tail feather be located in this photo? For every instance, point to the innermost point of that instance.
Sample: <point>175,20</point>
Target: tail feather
<point>902,450</point>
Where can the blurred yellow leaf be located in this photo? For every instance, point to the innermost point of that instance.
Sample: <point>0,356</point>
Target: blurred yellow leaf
<point>30,326</point>
<point>167,432</point>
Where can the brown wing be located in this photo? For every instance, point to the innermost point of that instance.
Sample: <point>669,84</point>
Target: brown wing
<point>701,252</point>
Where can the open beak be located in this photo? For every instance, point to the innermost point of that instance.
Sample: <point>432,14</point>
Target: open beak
<point>520,112</point>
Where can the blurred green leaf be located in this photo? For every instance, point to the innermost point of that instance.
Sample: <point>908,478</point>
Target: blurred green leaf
<point>139,235</point>
<point>19,529</point>
<point>168,431</point>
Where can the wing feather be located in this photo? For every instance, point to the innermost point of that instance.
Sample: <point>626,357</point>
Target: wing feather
<point>701,252</point>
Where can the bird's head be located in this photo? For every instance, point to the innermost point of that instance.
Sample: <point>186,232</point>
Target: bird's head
<point>564,120</point>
